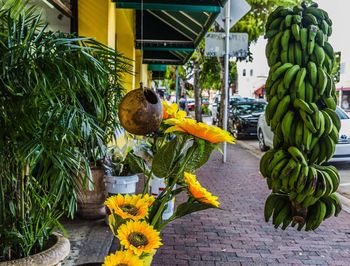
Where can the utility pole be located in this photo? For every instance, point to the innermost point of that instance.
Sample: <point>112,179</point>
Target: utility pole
<point>225,103</point>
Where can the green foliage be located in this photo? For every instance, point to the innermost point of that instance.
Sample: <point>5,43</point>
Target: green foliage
<point>254,21</point>
<point>57,103</point>
<point>336,67</point>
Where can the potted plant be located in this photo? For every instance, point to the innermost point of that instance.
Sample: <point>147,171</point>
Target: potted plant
<point>122,165</point>
<point>44,128</point>
<point>137,220</point>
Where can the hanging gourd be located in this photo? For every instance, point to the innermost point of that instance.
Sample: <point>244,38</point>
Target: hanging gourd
<point>140,111</point>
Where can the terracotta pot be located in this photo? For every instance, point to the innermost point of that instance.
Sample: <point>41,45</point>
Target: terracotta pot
<point>50,257</point>
<point>90,202</point>
<point>140,111</point>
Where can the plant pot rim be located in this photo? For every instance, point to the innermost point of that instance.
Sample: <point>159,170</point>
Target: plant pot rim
<point>49,257</point>
<point>108,175</point>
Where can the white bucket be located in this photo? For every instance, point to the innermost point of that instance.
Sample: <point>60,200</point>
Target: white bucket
<point>157,185</point>
<point>121,184</point>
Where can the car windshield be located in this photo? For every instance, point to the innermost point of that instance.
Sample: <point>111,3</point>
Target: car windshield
<point>250,108</point>
<point>342,115</point>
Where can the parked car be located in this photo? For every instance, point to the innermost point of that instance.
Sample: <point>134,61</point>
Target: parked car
<point>214,107</point>
<point>342,149</point>
<point>243,118</point>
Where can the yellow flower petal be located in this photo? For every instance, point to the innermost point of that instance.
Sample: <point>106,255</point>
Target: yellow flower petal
<point>133,207</point>
<point>198,192</point>
<point>122,258</point>
<point>139,237</point>
<point>209,133</point>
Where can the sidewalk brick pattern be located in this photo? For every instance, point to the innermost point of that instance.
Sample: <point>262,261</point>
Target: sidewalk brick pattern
<point>238,235</point>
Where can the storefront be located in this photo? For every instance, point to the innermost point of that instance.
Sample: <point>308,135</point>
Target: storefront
<point>344,98</point>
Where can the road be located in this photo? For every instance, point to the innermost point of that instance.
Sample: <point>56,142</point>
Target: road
<point>252,146</point>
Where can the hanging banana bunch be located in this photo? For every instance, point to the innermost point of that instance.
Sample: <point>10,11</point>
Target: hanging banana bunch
<point>301,113</point>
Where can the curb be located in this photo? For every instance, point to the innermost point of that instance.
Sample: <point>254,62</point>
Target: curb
<point>248,149</point>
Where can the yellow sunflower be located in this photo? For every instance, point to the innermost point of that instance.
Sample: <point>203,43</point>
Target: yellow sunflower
<point>139,237</point>
<point>129,207</point>
<point>149,199</point>
<point>199,192</point>
<point>122,258</point>
<point>209,133</point>
<point>172,111</point>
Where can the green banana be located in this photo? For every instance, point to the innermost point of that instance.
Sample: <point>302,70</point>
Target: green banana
<point>270,204</point>
<point>298,54</point>
<point>328,123</point>
<point>320,38</point>
<point>299,134</point>
<point>307,137</point>
<point>304,38</point>
<point>271,109</point>
<point>322,80</point>
<point>312,73</point>
<point>296,32</point>
<point>300,77</point>
<point>264,162</point>
<point>336,202</point>
<point>288,20</point>
<point>329,50</point>
<point>334,117</point>
<point>291,56</point>
<point>281,70</point>
<point>290,75</point>
<point>294,176</point>
<point>307,121</point>
<point>285,40</point>
<point>329,102</point>
<point>311,39</point>
<point>320,54</point>
<point>278,156</point>
<point>297,155</point>
<point>302,178</point>
<point>300,104</point>
<point>309,92</point>
<point>282,108</point>
<point>286,125</point>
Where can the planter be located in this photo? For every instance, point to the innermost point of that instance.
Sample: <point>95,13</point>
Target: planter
<point>90,202</point>
<point>121,184</point>
<point>50,257</point>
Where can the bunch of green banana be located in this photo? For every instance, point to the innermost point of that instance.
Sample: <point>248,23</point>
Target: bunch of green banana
<point>301,113</point>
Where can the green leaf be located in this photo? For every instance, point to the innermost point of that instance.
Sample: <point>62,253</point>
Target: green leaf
<point>136,163</point>
<point>201,154</point>
<point>190,207</point>
<point>167,156</point>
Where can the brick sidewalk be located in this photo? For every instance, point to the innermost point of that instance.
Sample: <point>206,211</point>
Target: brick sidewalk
<point>238,234</point>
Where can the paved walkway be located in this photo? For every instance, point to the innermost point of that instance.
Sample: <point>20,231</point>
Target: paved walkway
<point>237,235</point>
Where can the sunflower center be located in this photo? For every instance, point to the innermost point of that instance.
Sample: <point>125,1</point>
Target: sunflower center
<point>129,208</point>
<point>138,239</point>
<point>122,264</point>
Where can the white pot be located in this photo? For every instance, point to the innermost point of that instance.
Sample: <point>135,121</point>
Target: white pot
<point>121,184</point>
<point>157,185</point>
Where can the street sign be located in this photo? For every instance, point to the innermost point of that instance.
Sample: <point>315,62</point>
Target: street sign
<point>238,9</point>
<point>215,44</point>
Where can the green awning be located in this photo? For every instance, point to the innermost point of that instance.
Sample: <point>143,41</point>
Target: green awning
<point>172,29</point>
<point>157,67</point>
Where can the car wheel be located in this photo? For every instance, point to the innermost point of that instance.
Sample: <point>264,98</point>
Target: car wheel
<point>235,131</point>
<point>262,144</point>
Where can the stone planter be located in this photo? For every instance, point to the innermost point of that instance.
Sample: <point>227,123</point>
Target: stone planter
<point>90,202</point>
<point>49,257</point>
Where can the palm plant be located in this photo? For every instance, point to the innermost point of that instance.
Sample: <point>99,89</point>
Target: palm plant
<point>58,97</point>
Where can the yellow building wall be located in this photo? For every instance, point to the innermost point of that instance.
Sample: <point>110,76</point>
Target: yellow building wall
<point>113,27</point>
